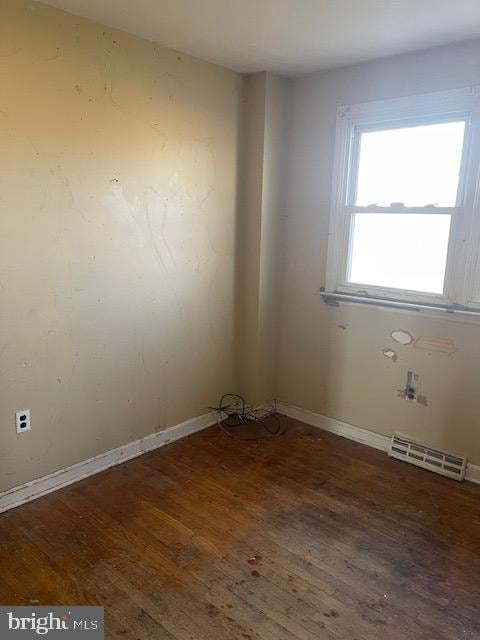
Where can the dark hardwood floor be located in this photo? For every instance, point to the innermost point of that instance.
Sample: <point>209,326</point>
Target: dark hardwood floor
<point>304,537</point>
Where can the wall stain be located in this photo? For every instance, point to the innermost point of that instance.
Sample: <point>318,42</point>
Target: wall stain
<point>441,345</point>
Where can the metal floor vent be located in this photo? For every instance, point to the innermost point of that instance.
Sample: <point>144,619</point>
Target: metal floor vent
<point>424,456</point>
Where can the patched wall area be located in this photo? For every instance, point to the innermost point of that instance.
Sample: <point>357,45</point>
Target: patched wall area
<point>352,363</point>
<point>118,191</point>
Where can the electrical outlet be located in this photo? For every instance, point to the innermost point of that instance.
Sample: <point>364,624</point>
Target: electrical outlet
<point>22,421</point>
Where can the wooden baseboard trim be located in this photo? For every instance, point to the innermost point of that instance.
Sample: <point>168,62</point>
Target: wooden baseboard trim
<point>473,473</point>
<point>52,482</point>
<point>363,436</point>
<point>358,434</point>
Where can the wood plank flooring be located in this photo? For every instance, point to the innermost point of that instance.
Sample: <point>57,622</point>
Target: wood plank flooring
<point>304,537</point>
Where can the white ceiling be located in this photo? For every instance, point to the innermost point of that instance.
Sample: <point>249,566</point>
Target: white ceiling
<point>287,36</point>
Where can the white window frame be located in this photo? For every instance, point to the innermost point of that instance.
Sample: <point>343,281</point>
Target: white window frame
<point>462,274</point>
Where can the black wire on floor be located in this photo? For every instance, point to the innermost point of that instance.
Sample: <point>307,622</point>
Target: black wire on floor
<point>233,412</point>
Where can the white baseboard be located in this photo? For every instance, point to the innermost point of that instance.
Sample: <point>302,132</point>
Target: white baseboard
<point>53,481</point>
<point>47,484</point>
<point>363,436</point>
<point>473,473</point>
<point>358,434</point>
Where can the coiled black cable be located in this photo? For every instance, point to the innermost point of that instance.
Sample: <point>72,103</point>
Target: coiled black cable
<point>232,412</point>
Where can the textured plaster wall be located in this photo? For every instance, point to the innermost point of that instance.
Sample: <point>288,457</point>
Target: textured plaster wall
<point>163,237</point>
<point>332,359</point>
<point>118,204</point>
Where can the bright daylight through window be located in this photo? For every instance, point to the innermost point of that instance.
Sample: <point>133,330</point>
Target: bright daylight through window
<point>404,216</point>
<point>415,166</point>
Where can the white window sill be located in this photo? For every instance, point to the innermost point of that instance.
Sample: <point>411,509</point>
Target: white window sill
<point>454,313</point>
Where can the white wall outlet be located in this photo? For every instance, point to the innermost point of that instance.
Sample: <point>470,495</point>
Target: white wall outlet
<point>22,421</point>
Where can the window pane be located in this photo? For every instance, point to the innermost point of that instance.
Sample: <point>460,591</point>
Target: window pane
<point>400,251</point>
<point>415,165</point>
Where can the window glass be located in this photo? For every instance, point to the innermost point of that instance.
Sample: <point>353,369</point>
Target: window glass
<point>418,165</point>
<point>400,250</point>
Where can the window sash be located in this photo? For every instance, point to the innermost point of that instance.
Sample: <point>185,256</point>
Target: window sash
<point>399,209</point>
<point>358,286</point>
<point>401,123</point>
<point>391,292</point>
<point>462,274</point>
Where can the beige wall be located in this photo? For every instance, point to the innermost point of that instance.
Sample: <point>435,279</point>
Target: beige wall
<point>118,188</point>
<point>331,358</point>
<point>259,238</point>
<point>163,237</point>
<point>249,234</point>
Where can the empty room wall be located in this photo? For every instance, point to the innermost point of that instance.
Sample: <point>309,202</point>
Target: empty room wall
<point>118,191</point>
<point>260,233</point>
<point>331,358</point>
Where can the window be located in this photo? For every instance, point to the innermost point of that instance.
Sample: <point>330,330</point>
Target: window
<point>405,222</point>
